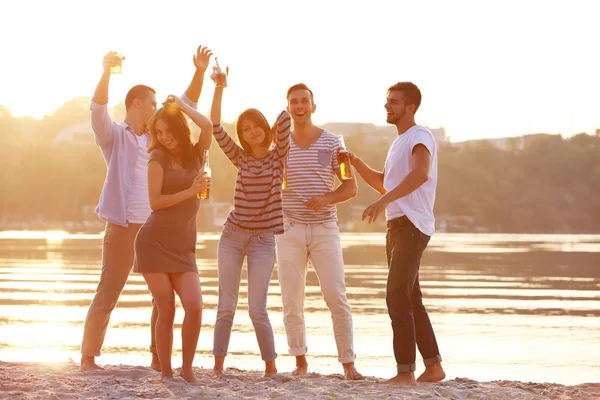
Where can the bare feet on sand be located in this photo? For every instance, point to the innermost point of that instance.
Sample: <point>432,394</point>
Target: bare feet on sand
<point>402,378</point>
<point>218,372</point>
<point>351,373</point>
<point>434,373</point>
<point>88,364</point>
<point>270,369</point>
<point>300,370</point>
<point>189,376</point>
<point>155,364</point>
<point>166,376</point>
<point>301,366</point>
<point>219,368</point>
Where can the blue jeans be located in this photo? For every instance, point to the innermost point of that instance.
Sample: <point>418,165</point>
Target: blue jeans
<point>259,246</point>
<point>410,322</point>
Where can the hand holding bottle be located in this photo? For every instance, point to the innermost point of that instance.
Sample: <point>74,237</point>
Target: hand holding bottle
<point>200,184</point>
<point>112,62</point>
<point>218,76</point>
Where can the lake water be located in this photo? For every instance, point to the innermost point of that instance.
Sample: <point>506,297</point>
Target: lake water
<point>510,307</point>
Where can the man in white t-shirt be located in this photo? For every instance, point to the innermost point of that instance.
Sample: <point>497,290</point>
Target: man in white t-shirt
<point>124,204</point>
<point>408,185</point>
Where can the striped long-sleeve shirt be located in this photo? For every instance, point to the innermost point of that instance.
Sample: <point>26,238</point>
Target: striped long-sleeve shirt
<point>257,199</point>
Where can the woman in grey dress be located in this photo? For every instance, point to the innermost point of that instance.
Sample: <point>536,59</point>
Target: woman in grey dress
<point>165,246</point>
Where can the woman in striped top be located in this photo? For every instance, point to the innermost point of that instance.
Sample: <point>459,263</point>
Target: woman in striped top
<point>251,227</point>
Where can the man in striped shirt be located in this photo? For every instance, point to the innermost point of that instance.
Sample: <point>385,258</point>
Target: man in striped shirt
<point>311,232</point>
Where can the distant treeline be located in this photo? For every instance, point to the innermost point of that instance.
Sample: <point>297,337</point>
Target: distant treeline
<point>549,184</point>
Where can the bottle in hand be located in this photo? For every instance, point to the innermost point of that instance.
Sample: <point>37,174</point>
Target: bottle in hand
<point>205,193</point>
<point>117,69</point>
<point>344,161</point>
<point>284,184</point>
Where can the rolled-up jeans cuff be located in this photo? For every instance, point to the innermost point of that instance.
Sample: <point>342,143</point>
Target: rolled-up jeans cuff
<point>432,361</point>
<point>345,360</point>
<point>269,357</point>
<point>299,351</point>
<point>406,367</point>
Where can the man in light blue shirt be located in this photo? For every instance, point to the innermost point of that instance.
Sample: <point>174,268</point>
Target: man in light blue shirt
<point>124,199</point>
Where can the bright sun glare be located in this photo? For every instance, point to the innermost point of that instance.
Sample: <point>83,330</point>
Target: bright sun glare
<point>50,236</point>
<point>478,78</point>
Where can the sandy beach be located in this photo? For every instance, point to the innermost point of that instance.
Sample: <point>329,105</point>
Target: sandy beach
<point>63,381</point>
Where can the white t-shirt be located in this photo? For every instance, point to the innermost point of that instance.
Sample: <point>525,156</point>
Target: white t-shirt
<point>138,205</point>
<point>417,206</point>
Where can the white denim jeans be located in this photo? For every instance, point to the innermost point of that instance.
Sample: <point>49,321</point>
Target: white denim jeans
<point>319,242</point>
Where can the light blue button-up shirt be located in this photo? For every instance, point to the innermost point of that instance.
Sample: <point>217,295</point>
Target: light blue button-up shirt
<point>120,151</point>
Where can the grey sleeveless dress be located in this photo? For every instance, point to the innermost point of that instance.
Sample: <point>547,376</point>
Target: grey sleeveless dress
<point>166,243</point>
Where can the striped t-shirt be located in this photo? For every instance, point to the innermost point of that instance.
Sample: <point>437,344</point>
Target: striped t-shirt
<point>257,199</point>
<point>311,172</point>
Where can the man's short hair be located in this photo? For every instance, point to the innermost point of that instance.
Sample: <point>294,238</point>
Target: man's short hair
<point>137,92</point>
<point>412,94</point>
<point>300,86</point>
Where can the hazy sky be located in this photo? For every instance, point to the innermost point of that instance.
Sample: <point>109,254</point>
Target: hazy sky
<point>485,68</point>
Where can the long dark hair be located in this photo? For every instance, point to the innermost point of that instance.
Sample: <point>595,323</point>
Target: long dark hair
<point>177,123</point>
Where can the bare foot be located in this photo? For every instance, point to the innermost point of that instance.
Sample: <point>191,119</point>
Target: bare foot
<point>403,378</point>
<point>166,375</point>
<point>300,370</point>
<point>351,373</point>
<point>434,373</point>
<point>219,367</point>
<point>189,376</point>
<point>218,372</point>
<point>155,364</point>
<point>270,369</point>
<point>88,364</point>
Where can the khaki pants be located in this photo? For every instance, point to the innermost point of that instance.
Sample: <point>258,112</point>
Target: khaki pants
<point>117,261</point>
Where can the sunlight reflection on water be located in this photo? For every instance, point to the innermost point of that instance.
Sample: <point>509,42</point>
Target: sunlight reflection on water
<point>503,306</point>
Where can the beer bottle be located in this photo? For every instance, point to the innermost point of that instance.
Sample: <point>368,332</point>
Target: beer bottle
<point>205,193</point>
<point>284,184</point>
<point>117,69</point>
<point>344,161</point>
